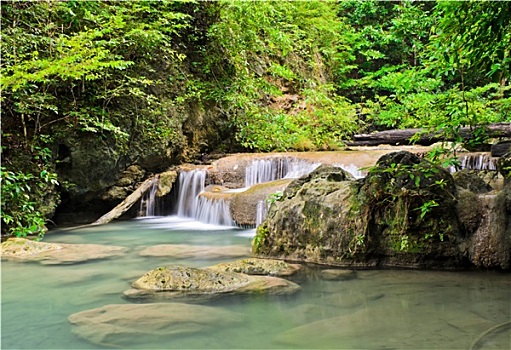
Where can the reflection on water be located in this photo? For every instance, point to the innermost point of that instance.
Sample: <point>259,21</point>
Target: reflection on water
<point>380,309</point>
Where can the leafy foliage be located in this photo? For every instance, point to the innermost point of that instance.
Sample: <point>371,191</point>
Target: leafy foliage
<point>141,77</point>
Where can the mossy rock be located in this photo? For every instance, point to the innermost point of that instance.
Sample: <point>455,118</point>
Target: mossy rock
<point>177,282</point>
<point>254,266</point>
<point>470,180</point>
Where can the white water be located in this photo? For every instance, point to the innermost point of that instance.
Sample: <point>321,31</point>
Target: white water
<point>271,169</point>
<point>478,162</point>
<point>262,212</point>
<point>148,201</point>
<point>191,205</point>
<point>191,184</point>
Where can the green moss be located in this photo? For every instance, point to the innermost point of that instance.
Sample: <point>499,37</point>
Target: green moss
<point>261,234</point>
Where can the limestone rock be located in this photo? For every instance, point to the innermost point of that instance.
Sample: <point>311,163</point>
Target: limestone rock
<point>403,214</point>
<point>166,181</point>
<point>490,244</point>
<point>148,325</point>
<point>254,266</point>
<point>470,180</point>
<point>20,249</point>
<point>186,251</point>
<point>176,281</point>
<point>243,205</point>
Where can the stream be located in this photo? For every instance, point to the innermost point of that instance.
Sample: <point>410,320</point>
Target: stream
<point>379,309</point>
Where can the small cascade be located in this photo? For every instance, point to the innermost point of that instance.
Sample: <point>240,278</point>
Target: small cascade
<point>352,169</point>
<point>191,204</point>
<point>261,212</point>
<point>214,211</point>
<point>265,170</point>
<point>191,184</point>
<point>148,203</point>
<point>479,162</point>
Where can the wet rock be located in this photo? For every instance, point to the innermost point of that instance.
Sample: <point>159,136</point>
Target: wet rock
<point>489,246</point>
<point>338,275</point>
<point>470,180</point>
<point>469,210</point>
<point>185,251</point>
<point>148,325</point>
<point>403,214</point>
<point>243,205</point>
<point>254,266</point>
<point>20,249</point>
<point>504,167</point>
<point>166,181</point>
<point>176,281</point>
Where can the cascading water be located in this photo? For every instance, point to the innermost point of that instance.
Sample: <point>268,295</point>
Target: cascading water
<point>271,169</point>
<point>262,212</point>
<point>265,170</point>
<point>478,162</point>
<point>352,169</point>
<point>148,203</point>
<point>192,205</point>
<point>191,184</point>
<point>214,211</point>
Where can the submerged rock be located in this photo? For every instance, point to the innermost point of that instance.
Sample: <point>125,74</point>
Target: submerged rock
<point>20,249</point>
<point>350,330</point>
<point>338,275</point>
<point>147,325</point>
<point>185,251</point>
<point>255,266</point>
<point>177,281</point>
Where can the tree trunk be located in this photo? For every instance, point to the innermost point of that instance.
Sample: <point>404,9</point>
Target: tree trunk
<point>127,203</point>
<point>402,136</point>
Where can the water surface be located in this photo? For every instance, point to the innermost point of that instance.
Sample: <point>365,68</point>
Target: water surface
<point>380,309</point>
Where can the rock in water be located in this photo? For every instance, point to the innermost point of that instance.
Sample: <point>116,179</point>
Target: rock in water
<point>178,281</point>
<point>148,325</point>
<point>254,266</point>
<point>20,249</point>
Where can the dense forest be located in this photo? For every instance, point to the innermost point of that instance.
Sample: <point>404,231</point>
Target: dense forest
<point>102,85</point>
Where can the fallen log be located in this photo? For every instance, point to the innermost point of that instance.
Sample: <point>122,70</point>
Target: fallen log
<point>126,204</point>
<point>403,136</point>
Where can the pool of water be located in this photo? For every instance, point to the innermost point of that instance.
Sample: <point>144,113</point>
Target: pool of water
<point>380,309</point>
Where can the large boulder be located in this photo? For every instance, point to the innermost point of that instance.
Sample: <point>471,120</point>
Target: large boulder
<point>403,214</point>
<point>172,282</point>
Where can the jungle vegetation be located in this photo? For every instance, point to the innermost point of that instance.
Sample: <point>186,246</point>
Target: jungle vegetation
<point>279,75</point>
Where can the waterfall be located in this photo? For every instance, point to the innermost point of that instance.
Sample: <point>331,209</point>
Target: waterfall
<point>261,212</point>
<point>265,170</point>
<point>352,169</point>
<point>191,204</point>
<point>148,203</point>
<point>191,184</point>
<point>478,162</point>
<point>214,211</point>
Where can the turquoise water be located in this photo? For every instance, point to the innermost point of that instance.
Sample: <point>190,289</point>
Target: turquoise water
<point>380,309</point>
